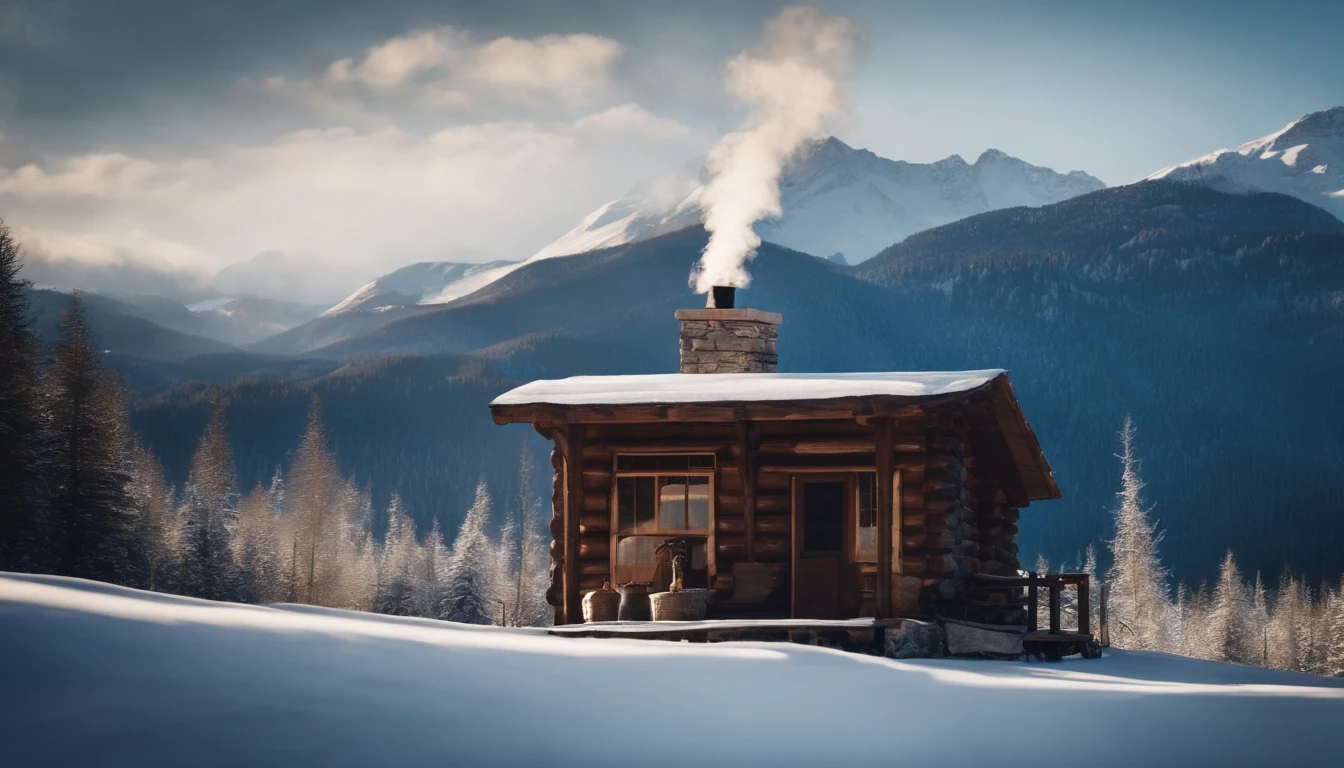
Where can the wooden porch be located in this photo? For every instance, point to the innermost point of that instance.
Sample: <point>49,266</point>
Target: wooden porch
<point>863,635</point>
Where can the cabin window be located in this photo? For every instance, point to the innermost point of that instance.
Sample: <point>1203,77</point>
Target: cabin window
<point>865,538</point>
<point>660,498</point>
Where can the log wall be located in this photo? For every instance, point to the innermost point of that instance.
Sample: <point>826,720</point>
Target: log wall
<point>955,519</point>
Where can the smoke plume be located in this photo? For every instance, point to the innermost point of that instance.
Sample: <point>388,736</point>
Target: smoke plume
<point>790,81</point>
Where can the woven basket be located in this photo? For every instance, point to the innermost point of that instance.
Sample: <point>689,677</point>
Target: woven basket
<point>686,605</point>
<point>601,604</point>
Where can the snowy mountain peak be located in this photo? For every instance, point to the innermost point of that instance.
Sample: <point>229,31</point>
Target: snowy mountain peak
<point>427,282</point>
<point>1325,124</point>
<point>837,198</point>
<point>1304,159</point>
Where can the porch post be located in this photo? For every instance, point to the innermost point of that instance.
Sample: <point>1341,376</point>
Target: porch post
<point>573,510</point>
<point>885,447</point>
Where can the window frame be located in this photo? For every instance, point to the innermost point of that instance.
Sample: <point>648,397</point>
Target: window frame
<point>614,515</point>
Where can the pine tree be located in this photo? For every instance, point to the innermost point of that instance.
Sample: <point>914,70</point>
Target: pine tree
<point>432,585</point>
<point>1228,636</point>
<point>256,548</point>
<point>533,577</point>
<point>1334,632</point>
<point>155,521</point>
<point>1138,582</point>
<point>1283,623</point>
<point>1178,635</point>
<point>506,568</point>
<point>360,560</point>
<point>470,595</point>
<point>92,516</point>
<point>1258,624</point>
<point>24,544</point>
<point>313,506</point>
<point>397,590</point>
<point>208,514</point>
<point>1197,622</point>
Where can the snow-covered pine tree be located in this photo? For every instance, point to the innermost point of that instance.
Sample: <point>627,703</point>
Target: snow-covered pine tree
<point>92,514</point>
<point>24,531</point>
<point>1197,622</point>
<point>1258,624</point>
<point>1283,621</point>
<point>256,548</point>
<point>360,559</point>
<point>1304,629</point>
<point>1317,643</point>
<point>471,579</point>
<point>1178,637</point>
<point>207,516</point>
<point>155,521</point>
<point>534,557</point>
<point>1334,631</point>
<point>432,584</point>
<point>1228,626</point>
<point>397,591</point>
<point>506,571</point>
<point>1138,601</point>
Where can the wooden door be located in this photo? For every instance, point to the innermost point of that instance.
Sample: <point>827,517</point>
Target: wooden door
<point>821,512</point>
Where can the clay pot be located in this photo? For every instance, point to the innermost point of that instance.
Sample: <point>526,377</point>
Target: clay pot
<point>601,604</point>
<point>635,602</point>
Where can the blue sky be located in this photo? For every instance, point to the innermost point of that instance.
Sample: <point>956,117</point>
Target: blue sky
<point>155,131</point>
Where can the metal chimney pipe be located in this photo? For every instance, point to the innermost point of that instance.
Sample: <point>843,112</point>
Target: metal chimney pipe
<point>722,297</point>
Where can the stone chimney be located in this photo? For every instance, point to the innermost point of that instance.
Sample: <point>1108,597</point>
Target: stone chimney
<point>728,340</point>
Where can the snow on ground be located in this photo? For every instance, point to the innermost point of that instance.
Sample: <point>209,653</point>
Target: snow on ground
<point>95,674</point>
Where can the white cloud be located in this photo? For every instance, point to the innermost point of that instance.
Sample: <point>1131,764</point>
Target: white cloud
<point>444,68</point>
<point>398,61</point>
<point>566,66</point>
<point>352,202</point>
<point>635,119</point>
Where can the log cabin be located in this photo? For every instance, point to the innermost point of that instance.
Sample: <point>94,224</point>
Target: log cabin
<point>824,496</point>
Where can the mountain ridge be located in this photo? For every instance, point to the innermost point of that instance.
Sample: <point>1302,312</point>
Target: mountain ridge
<point>837,198</point>
<point>1304,159</point>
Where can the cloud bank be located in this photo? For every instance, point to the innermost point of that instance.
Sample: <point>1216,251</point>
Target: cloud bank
<point>358,200</point>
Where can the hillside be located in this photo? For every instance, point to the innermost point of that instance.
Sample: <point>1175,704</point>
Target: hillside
<point>228,684</point>
<point>120,328</point>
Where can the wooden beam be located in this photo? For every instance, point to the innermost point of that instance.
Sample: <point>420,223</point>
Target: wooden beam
<point>886,469</point>
<point>780,410</point>
<point>573,512</point>
<point>746,468</point>
<point>794,469</point>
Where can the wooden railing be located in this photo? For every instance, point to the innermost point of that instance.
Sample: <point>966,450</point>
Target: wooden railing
<point>1053,584</point>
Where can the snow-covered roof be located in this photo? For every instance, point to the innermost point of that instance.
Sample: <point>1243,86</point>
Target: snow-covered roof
<point>741,387</point>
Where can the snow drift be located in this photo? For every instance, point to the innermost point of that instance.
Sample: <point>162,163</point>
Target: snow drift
<point>96,674</point>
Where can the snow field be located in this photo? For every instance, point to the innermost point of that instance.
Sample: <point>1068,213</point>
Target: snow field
<point>97,674</point>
